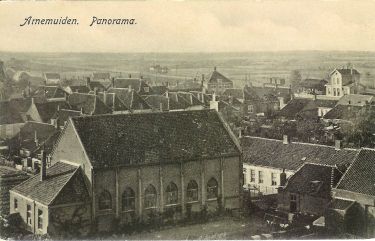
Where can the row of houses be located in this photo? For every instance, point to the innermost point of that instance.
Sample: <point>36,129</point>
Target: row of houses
<point>334,184</point>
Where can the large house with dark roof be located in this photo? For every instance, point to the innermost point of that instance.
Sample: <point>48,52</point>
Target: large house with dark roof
<point>137,166</point>
<point>217,82</point>
<point>353,208</point>
<point>265,159</point>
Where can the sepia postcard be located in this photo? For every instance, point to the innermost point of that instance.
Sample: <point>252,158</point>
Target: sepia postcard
<point>187,120</point>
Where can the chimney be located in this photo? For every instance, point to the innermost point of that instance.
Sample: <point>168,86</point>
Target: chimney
<point>130,88</point>
<point>32,100</point>
<point>95,91</point>
<point>337,144</point>
<point>141,77</point>
<point>167,94</point>
<point>36,138</point>
<point>202,77</point>
<point>113,82</point>
<point>43,166</point>
<point>215,68</point>
<point>285,139</point>
<point>214,96</point>
<point>283,178</point>
<point>81,110</point>
<point>130,76</point>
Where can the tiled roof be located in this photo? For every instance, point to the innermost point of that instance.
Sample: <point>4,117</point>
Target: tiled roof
<point>111,100</point>
<point>356,100</point>
<point>344,112</point>
<point>135,83</point>
<point>89,104</point>
<point>360,176</point>
<point>49,92</point>
<point>26,137</point>
<point>265,93</point>
<point>314,180</point>
<point>273,153</point>
<point>292,108</point>
<point>47,110</point>
<point>63,115</point>
<point>159,89</point>
<point>9,114</point>
<point>215,76</point>
<point>122,139</point>
<point>80,88</point>
<point>21,104</point>
<point>96,85</point>
<point>348,71</point>
<point>6,171</point>
<point>45,191</point>
<point>130,98</point>
<point>234,92</point>
<point>318,84</point>
<point>341,204</point>
<point>52,75</point>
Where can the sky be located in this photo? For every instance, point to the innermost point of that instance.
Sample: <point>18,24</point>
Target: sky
<point>191,26</point>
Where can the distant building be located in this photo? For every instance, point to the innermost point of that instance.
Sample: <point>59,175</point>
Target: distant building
<point>128,98</point>
<point>87,104</point>
<point>217,82</point>
<point>101,77</point>
<point>52,78</point>
<point>265,159</point>
<point>138,84</point>
<point>311,87</point>
<point>44,111</point>
<point>343,82</point>
<point>353,208</point>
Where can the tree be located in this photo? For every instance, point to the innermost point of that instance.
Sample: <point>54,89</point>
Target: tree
<point>360,128</point>
<point>295,78</point>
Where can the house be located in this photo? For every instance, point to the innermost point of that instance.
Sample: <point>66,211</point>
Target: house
<point>44,111</point>
<point>265,159</point>
<point>343,82</point>
<point>311,86</point>
<point>10,120</point>
<point>316,109</point>
<point>138,84</point>
<point>49,93</point>
<point>264,100</point>
<point>112,100</point>
<point>356,100</point>
<point>292,108</point>
<point>353,208</point>
<point>217,82</point>
<point>30,138</point>
<point>139,165</point>
<point>9,177</point>
<point>52,78</point>
<point>77,89</point>
<point>308,190</point>
<point>95,85</point>
<point>129,98</point>
<point>88,104</point>
<point>101,76</point>
<point>346,113</point>
<point>55,201</point>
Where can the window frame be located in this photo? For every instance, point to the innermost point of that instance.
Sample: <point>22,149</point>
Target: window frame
<point>171,194</point>
<point>148,196</point>
<point>128,201</point>
<point>192,189</point>
<point>212,189</point>
<point>107,202</point>
<point>252,175</point>
<point>273,179</point>
<point>260,177</point>
<point>40,219</point>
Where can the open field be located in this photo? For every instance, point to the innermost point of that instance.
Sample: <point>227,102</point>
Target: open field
<point>256,66</point>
